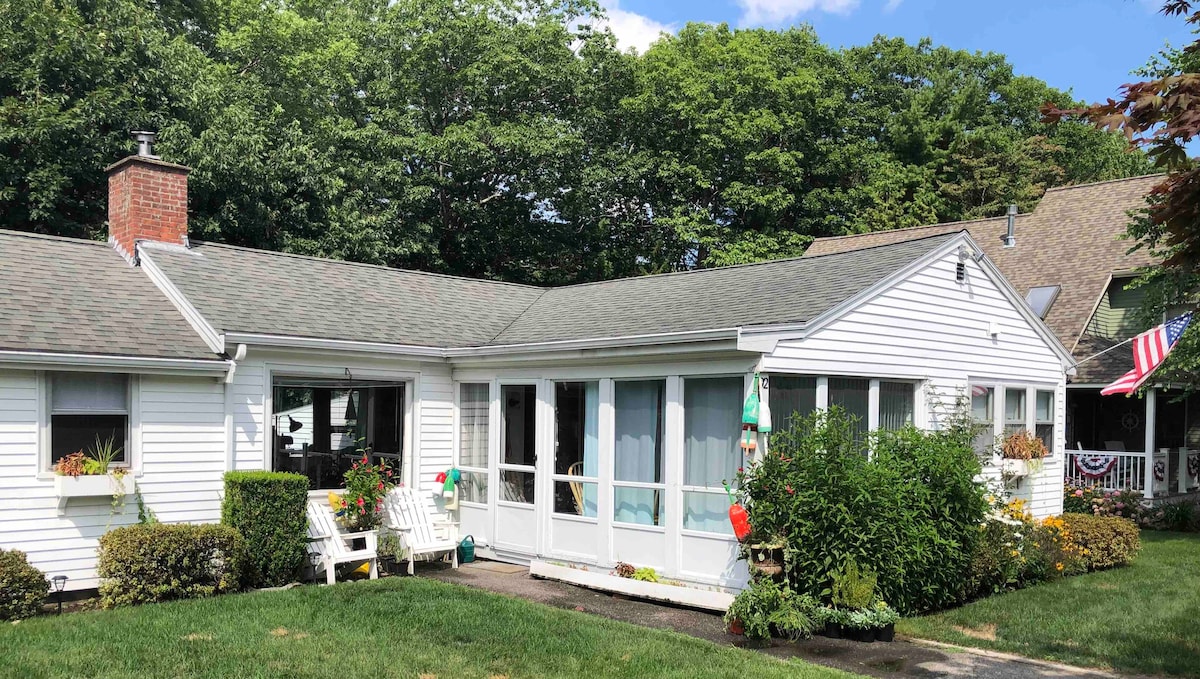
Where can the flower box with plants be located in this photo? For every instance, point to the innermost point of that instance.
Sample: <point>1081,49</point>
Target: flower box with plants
<point>1021,455</point>
<point>90,475</point>
<point>359,508</point>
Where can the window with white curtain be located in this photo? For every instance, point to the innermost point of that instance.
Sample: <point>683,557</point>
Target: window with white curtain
<point>712,424</point>
<point>983,414</point>
<point>89,411</point>
<point>474,420</point>
<point>897,402</point>
<point>854,396</point>
<point>576,447</point>
<point>1044,417</point>
<point>791,396</point>
<point>638,451</point>
<point>1015,410</point>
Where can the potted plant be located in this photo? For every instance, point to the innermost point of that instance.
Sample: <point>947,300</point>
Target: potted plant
<point>885,621</point>
<point>1021,455</point>
<point>860,624</point>
<point>766,558</point>
<point>361,507</point>
<point>834,620</point>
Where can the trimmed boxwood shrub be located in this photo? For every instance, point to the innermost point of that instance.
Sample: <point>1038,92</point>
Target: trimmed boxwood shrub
<point>145,563</point>
<point>911,512</point>
<point>268,508</point>
<point>23,588</point>
<point>1106,541</point>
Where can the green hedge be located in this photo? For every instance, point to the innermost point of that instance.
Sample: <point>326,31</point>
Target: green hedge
<point>1106,541</point>
<point>145,563</point>
<point>268,508</point>
<point>23,588</point>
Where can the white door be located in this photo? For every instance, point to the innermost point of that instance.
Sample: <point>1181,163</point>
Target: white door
<point>516,527</point>
<point>575,472</point>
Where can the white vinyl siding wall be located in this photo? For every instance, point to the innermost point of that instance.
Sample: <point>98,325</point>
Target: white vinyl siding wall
<point>934,330</point>
<point>182,456</point>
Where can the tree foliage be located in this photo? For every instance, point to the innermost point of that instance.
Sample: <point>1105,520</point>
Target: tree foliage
<point>511,138</point>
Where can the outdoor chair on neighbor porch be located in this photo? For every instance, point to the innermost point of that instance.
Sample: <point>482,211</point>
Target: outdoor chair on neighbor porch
<point>329,547</point>
<point>420,533</point>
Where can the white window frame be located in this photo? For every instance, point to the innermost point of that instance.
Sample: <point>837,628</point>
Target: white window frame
<point>747,381</point>
<point>132,413</point>
<point>1000,410</point>
<point>822,393</point>
<point>661,486</point>
<point>556,478</point>
<point>458,432</point>
<point>501,430</point>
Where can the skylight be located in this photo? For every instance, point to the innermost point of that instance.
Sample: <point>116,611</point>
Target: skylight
<point>1041,297</point>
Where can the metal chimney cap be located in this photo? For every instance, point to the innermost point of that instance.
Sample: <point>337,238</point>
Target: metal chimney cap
<point>1013,210</point>
<point>145,142</point>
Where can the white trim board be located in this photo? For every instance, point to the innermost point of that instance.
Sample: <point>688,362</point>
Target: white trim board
<point>675,594</point>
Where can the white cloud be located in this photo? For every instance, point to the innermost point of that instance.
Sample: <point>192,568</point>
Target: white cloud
<point>632,29</point>
<point>891,6</point>
<point>779,11</point>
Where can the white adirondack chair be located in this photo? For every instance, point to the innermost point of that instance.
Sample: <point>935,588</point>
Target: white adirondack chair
<point>328,546</point>
<point>420,534</point>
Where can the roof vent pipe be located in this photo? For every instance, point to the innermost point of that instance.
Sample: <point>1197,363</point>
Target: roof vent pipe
<point>145,142</point>
<point>1010,239</point>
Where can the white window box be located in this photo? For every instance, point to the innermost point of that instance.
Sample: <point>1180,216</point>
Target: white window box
<point>1019,469</point>
<point>94,485</point>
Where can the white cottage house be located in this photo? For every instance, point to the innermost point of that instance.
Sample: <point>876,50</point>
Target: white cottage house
<point>592,423</point>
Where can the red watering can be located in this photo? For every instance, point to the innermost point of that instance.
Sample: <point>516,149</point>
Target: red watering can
<point>738,517</point>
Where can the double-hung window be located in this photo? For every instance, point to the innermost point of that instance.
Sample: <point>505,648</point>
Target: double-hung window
<point>983,414</point>
<point>89,411</point>
<point>1016,410</point>
<point>1044,418</point>
<point>638,486</point>
<point>712,422</point>
<point>474,421</point>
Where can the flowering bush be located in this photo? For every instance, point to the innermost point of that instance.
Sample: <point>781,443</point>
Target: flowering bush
<point>1103,541</point>
<point>366,486</point>
<point>1098,502</point>
<point>1015,550</point>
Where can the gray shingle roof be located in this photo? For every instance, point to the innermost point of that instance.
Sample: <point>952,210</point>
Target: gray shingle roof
<point>254,291</point>
<point>257,291</point>
<point>781,291</point>
<point>65,295</point>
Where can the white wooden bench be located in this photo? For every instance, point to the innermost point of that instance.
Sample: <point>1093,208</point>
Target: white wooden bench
<point>420,533</point>
<point>329,546</point>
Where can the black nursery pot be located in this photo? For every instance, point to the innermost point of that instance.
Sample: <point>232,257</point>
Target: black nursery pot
<point>832,630</point>
<point>864,635</point>
<point>887,633</point>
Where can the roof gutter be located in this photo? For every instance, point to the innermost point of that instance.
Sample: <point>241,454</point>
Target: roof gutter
<point>103,362</point>
<point>296,342</point>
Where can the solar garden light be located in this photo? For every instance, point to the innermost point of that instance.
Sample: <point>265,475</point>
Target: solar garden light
<point>58,582</point>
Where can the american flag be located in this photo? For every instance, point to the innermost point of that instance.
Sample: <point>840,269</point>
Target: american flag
<point>1150,349</point>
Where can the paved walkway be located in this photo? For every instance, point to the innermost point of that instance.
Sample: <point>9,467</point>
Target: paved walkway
<point>897,659</point>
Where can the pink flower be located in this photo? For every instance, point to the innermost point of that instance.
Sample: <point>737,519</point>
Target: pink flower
<point>1120,505</point>
<point>1079,493</point>
<point>360,501</point>
<point>789,489</point>
<point>381,485</point>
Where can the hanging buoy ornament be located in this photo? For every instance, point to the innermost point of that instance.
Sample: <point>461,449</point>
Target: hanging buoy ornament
<point>749,438</point>
<point>764,404</point>
<point>738,516</point>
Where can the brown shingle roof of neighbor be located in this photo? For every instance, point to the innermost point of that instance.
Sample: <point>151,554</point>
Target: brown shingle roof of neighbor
<point>1072,239</point>
<point>254,291</point>
<point>65,295</point>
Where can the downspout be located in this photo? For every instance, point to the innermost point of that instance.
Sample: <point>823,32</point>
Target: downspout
<point>239,355</point>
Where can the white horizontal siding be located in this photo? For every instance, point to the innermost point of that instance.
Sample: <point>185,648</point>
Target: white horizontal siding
<point>180,435</point>
<point>935,330</point>
<point>435,429</point>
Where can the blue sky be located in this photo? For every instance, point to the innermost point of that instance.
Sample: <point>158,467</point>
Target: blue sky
<point>1067,43</point>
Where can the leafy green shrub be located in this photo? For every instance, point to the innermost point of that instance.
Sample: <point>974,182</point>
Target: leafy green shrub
<point>268,509</point>
<point>767,605</point>
<point>22,586</point>
<point>1176,516</point>
<point>911,513</point>
<point>1105,541</point>
<point>145,563</point>
<point>996,562</point>
<point>853,587</point>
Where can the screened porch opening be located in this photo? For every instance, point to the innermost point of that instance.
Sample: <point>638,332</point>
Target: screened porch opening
<point>320,427</point>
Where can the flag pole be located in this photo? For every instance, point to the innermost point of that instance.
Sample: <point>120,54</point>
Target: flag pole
<point>1101,353</point>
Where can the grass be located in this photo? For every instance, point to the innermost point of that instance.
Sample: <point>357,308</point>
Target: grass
<point>394,627</point>
<point>1142,618</point>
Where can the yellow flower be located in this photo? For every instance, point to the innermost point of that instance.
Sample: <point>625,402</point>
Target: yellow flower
<point>1058,566</point>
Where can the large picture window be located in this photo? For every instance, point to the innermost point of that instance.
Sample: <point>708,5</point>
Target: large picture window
<point>638,452</point>
<point>319,427</point>
<point>712,423</point>
<point>89,411</point>
<point>791,397</point>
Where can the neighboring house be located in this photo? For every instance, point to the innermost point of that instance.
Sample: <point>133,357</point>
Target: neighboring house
<point>1070,261</point>
<point>592,423</point>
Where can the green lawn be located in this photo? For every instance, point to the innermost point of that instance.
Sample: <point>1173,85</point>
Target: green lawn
<point>1144,618</point>
<point>395,627</point>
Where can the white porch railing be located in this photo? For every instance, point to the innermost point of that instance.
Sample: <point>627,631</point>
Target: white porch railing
<point>1128,470</point>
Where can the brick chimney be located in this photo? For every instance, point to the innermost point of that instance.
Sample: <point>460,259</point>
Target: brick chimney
<point>147,199</point>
